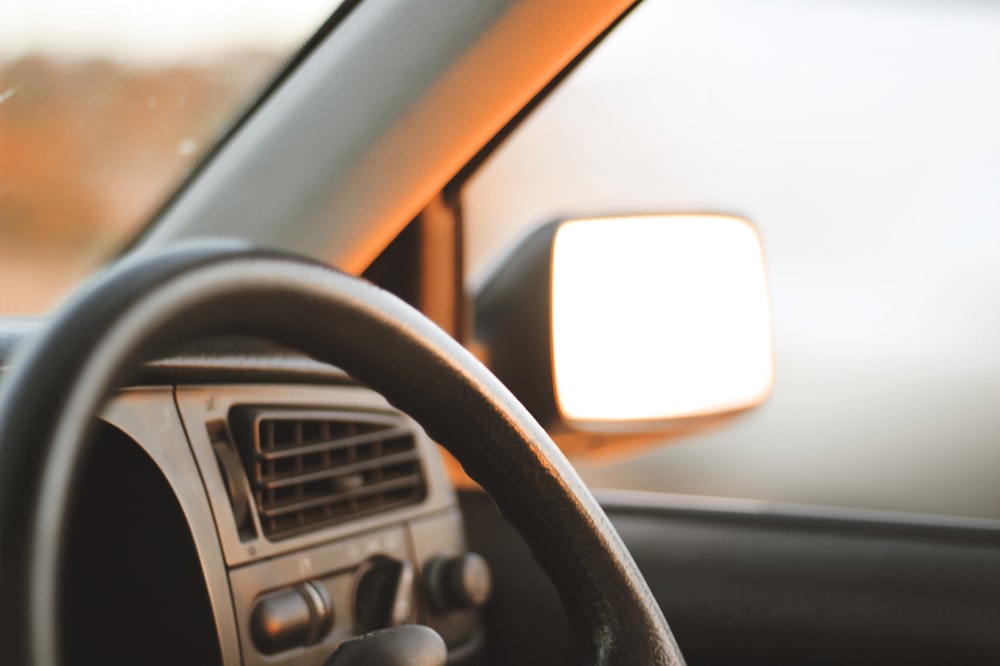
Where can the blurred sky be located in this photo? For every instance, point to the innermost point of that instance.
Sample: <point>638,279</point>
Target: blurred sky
<point>155,32</point>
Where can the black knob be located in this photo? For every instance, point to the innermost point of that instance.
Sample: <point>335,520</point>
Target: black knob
<point>457,581</point>
<point>291,618</point>
<point>384,594</point>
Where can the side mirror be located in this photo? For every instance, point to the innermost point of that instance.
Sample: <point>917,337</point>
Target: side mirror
<point>628,325</point>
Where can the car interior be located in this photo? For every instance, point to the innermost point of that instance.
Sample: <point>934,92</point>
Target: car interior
<point>277,430</point>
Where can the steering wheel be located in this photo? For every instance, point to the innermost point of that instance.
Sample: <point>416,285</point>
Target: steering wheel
<point>143,307</point>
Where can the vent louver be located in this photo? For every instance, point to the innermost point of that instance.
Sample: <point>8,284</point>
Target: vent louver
<point>312,470</point>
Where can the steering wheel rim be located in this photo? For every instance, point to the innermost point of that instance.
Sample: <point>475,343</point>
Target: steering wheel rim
<point>143,307</point>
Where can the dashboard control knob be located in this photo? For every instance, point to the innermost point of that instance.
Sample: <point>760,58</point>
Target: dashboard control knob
<point>457,581</point>
<point>383,596</point>
<point>290,618</point>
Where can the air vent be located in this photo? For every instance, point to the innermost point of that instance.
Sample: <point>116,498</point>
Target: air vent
<point>311,470</point>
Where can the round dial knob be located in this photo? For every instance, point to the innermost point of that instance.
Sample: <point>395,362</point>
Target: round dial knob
<point>290,618</point>
<point>454,582</point>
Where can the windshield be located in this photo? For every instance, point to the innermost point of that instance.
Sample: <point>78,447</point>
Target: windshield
<point>104,107</point>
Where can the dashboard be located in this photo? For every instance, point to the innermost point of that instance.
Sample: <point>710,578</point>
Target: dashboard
<point>262,509</point>
<point>242,503</point>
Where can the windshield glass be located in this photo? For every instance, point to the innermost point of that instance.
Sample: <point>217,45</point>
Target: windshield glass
<point>104,106</point>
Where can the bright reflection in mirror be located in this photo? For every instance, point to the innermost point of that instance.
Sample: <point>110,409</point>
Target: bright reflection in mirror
<point>658,317</point>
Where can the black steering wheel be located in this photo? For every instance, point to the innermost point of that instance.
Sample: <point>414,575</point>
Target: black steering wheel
<point>143,307</point>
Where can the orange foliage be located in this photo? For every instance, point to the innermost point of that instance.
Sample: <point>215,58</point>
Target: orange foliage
<point>89,150</point>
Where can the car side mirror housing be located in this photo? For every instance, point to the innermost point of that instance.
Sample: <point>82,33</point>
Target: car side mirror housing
<point>627,325</point>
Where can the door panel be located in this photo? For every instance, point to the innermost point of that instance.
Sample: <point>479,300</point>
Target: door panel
<point>746,587</point>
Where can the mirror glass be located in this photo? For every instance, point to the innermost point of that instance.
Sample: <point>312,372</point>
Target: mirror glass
<point>658,317</point>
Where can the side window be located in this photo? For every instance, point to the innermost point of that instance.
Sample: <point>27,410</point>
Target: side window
<point>862,140</point>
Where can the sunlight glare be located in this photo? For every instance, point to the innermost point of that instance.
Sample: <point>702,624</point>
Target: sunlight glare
<point>659,317</point>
